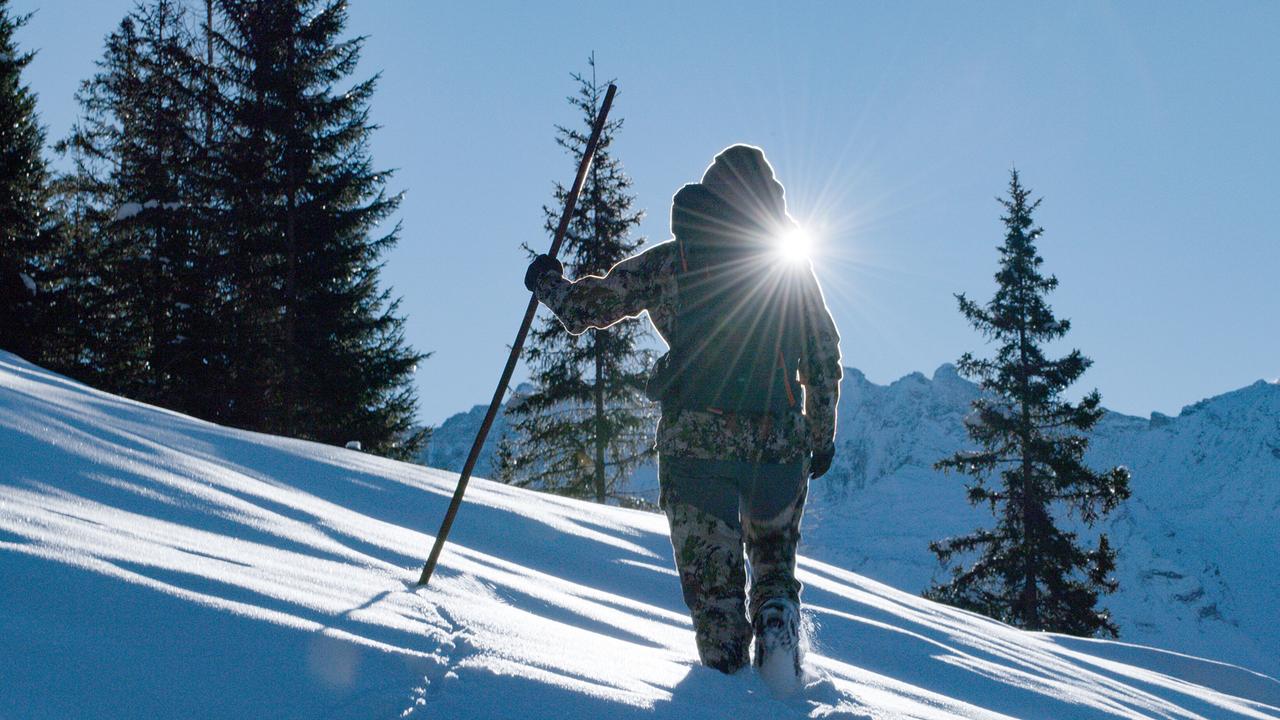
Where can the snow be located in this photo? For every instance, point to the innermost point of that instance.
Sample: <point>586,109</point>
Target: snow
<point>127,211</point>
<point>1197,567</point>
<point>160,566</point>
<point>130,209</point>
<point>28,282</point>
<point>1198,570</point>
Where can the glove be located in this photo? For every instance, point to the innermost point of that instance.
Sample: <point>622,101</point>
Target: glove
<point>541,265</point>
<point>821,463</point>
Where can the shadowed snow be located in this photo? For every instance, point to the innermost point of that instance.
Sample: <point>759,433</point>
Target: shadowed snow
<point>159,566</point>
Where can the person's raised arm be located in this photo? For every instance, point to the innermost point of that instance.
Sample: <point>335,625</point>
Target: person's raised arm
<point>598,301</point>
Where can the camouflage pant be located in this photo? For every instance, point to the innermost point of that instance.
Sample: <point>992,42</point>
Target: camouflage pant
<point>715,507</point>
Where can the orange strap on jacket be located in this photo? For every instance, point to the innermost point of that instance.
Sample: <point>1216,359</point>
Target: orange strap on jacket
<point>786,379</point>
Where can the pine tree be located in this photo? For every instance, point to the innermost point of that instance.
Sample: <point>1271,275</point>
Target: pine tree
<point>587,425</point>
<point>138,155</point>
<point>69,288</point>
<point>318,347</point>
<point>25,232</point>
<point>1028,571</point>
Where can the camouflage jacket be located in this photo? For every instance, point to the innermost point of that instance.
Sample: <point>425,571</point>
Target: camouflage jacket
<point>647,282</point>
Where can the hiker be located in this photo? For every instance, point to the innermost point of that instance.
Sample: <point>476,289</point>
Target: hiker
<point>748,393</point>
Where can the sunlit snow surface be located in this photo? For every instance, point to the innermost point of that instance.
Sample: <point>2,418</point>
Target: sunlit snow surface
<point>159,566</point>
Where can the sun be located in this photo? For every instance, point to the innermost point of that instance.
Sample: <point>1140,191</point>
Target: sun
<point>795,244</point>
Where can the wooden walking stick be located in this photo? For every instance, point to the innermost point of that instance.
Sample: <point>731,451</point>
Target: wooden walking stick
<point>587,154</point>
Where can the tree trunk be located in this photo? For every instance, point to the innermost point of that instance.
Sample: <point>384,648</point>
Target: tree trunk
<point>601,439</point>
<point>1029,600</point>
<point>291,277</point>
<point>208,101</point>
<point>597,337</point>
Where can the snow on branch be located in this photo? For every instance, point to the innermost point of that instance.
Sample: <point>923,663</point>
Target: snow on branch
<point>129,209</point>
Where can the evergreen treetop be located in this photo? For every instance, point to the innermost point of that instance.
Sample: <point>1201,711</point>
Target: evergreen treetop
<point>24,194</point>
<point>587,425</point>
<point>225,243</point>
<point>320,346</point>
<point>139,199</point>
<point>1028,571</point>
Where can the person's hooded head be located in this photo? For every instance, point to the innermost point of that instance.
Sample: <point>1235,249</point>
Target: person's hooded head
<point>742,179</point>
<point>738,208</point>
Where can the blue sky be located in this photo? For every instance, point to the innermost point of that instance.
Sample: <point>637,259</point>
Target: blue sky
<point>1149,128</point>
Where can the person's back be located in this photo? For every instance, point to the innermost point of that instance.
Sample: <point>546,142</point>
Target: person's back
<point>739,437</point>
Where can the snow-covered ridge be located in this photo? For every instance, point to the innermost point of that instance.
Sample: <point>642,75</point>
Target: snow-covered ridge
<point>1198,567</point>
<point>159,566</point>
<point>450,443</point>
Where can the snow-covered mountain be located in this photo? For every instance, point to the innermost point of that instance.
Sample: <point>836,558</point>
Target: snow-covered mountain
<point>1199,568</point>
<point>451,442</point>
<point>1199,540</point>
<point>159,566</point>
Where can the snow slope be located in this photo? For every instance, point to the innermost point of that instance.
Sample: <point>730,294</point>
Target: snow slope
<point>1199,572</point>
<point>159,566</point>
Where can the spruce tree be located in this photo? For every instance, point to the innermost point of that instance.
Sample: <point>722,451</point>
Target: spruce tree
<point>1028,571</point>
<point>137,181</point>
<point>587,425</point>
<point>318,347</point>
<point>69,288</point>
<point>24,197</point>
